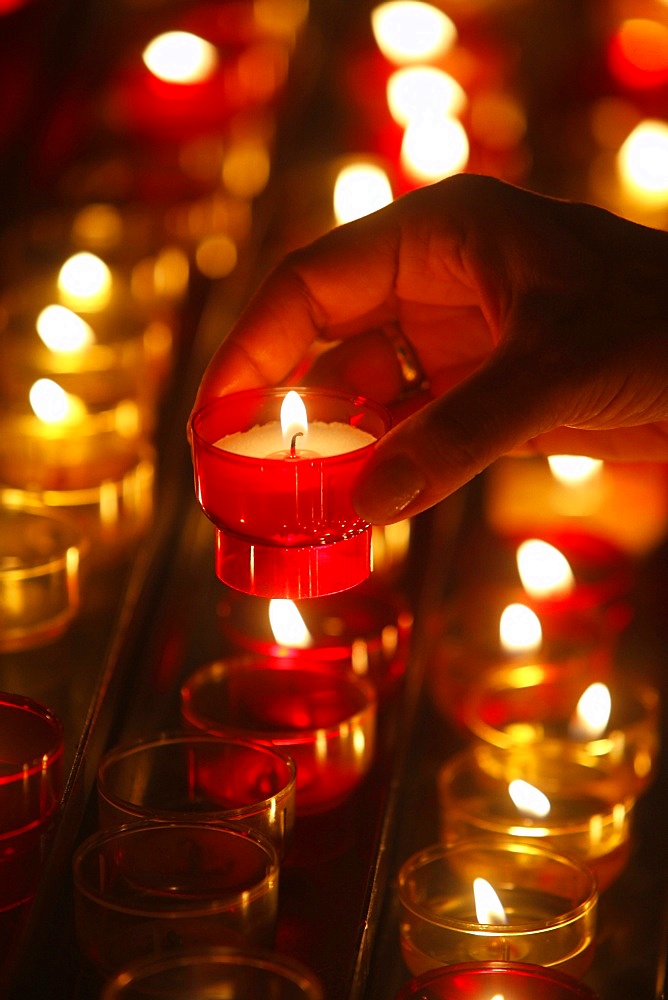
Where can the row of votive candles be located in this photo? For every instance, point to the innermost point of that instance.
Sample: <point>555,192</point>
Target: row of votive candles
<point>95,288</point>
<point>536,809</point>
<point>281,729</point>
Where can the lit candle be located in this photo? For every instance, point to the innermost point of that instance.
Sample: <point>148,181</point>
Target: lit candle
<point>280,497</point>
<point>569,805</point>
<point>495,981</point>
<point>496,902</point>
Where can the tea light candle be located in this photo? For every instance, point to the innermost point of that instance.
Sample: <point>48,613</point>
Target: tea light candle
<point>280,494</point>
<point>494,980</point>
<point>529,905</point>
<point>553,710</point>
<point>573,807</point>
<point>367,628</point>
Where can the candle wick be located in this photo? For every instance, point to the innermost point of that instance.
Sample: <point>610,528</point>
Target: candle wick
<point>293,443</point>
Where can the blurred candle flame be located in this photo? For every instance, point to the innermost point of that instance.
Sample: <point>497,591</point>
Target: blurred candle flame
<point>293,418</point>
<point>529,800</point>
<point>359,189</point>
<point>433,148</point>
<point>642,161</point>
<point>544,570</point>
<point>573,470</point>
<point>520,629</point>
<point>592,713</point>
<point>180,57</point>
<point>488,906</point>
<point>84,281</point>
<point>408,31</point>
<point>62,330</point>
<point>52,405</point>
<point>416,91</point>
<point>287,624</point>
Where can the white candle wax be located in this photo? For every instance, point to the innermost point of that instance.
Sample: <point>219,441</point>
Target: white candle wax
<point>322,440</point>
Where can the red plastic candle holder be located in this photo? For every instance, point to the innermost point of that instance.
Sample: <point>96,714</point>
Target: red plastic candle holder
<point>481,981</point>
<point>285,523</point>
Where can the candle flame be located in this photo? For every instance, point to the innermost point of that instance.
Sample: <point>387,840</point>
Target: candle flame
<point>592,713</point>
<point>180,57</point>
<point>84,281</point>
<point>488,906</point>
<point>529,800</point>
<point>52,405</point>
<point>544,570</point>
<point>293,418</point>
<point>287,624</point>
<point>520,629</point>
<point>359,189</point>
<point>643,161</point>
<point>434,147</point>
<point>408,31</point>
<point>572,470</point>
<point>416,91</point>
<point>62,330</point>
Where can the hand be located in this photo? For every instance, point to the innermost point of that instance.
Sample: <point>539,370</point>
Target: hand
<point>541,326</point>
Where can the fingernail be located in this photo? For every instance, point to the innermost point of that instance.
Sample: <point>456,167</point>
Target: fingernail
<point>388,488</point>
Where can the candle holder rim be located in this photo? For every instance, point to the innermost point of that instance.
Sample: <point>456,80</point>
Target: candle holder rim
<point>439,850</point>
<point>193,907</point>
<point>279,391</point>
<point>54,750</point>
<point>174,737</point>
<point>580,990</point>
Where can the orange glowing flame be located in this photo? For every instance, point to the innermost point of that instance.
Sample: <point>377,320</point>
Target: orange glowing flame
<point>287,624</point>
<point>409,31</point>
<point>293,418</point>
<point>488,906</point>
<point>416,91</point>
<point>642,161</point>
<point>592,713</point>
<point>60,329</point>
<point>573,470</point>
<point>528,799</point>
<point>433,148</point>
<point>52,405</point>
<point>359,189</point>
<point>520,629</point>
<point>544,570</point>
<point>180,57</point>
<point>84,282</point>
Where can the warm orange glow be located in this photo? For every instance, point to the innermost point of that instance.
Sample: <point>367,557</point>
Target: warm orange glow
<point>592,713</point>
<point>287,624</point>
<point>638,53</point>
<point>544,570</point>
<point>52,405</point>
<point>84,282</point>
<point>416,91</point>
<point>293,418</point>
<point>408,31</point>
<point>60,329</point>
<point>574,470</point>
<point>434,148</point>
<point>488,906</point>
<point>180,57</point>
<point>642,161</point>
<point>528,799</point>
<point>359,189</point>
<point>520,629</point>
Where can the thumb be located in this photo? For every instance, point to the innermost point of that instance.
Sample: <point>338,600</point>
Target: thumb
<point>450,440</point>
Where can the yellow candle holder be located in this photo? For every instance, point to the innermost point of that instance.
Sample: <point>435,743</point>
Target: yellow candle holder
<point>535,707</point>
<point>548,901</point>
<point>572,807</point>
<point>39,573</point>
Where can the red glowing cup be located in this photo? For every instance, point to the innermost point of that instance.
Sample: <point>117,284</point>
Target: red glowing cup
<point>481,981</point>
<point>286,525</point>
<point>321,714</point>
<point>31,782</point>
